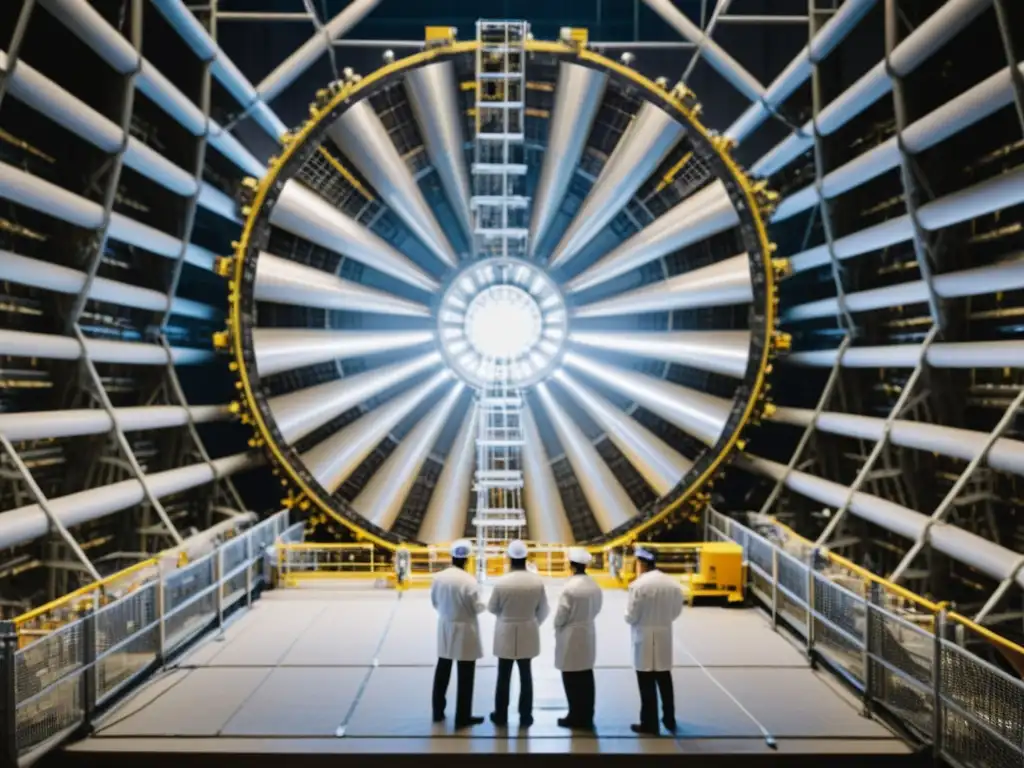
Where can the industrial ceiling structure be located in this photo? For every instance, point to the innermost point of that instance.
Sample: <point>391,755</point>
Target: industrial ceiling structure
<point>216,297</point>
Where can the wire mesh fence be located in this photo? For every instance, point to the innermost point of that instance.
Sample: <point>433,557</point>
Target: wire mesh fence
<point>891,647</point>
<point>61,678</point>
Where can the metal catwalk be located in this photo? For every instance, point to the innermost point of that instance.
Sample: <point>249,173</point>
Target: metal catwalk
<point>323,672</point>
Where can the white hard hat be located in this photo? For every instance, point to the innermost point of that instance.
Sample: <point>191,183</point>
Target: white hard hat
<point>641,553</point>
<point>462,548</point>
<point>580,556</point>
<point>517,550</point>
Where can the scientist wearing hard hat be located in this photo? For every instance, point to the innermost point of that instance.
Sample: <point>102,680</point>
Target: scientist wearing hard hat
<point>576,640</point>
<point>520,606</point>
<point>455,596</point>
<point>655,601</point>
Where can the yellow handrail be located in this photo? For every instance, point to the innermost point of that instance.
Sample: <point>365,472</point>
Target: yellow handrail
<point>988,634</point>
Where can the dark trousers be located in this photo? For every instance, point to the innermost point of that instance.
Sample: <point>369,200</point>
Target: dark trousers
<point>464,691</point>
<point>651,684</point>
<point>579,692</point>
<point>501,691</point>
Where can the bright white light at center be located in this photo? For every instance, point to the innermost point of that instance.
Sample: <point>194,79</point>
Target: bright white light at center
<point>503,322</point>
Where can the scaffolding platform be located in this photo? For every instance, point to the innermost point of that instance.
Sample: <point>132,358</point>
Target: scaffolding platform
<point>314,675</point>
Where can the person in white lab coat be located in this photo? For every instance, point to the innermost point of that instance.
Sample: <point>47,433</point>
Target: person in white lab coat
<point>455,596</point>
<point>520,605</point>
<point>655,601</point>
<point>576,641</point>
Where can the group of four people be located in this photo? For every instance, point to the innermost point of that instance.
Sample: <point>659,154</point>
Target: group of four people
<point>520,606</point>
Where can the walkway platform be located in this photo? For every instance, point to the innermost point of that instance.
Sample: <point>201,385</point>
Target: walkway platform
<point>311,675</point>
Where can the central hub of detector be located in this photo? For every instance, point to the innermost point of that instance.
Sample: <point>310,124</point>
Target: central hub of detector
<point>502,318</point>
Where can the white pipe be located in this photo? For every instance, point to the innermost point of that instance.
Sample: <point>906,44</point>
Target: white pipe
<point>724,352</point>
<point>970,354</point>
<point>42,425</point>
<point>25,524</point>
<point>284,349</point>
<point>546,519</point>
<point>445,519</point>
<point>53,347</point>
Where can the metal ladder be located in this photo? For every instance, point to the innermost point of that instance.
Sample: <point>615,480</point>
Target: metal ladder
<point>499,202</point>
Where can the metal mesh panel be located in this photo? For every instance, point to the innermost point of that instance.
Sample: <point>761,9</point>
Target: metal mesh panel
<point>759,552</point>
<point>185,612</point>
<point>839,625</point>
<point>47,660</point>
<point>233,554</point>
<point>127,638</point>
<point>50,713</point>
<point>126,661</point>
<point>793,577</point>
<point>972,746</point>
<point>903,679</point>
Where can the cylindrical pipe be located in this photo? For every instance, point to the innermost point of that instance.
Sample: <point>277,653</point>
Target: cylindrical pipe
<point>723,352</point>
<point>433,94</point>
<point>832,32</point>
<point>971,549</point>
<point>284,349</point>
<point>1006,455</point>
<point>969,354</point>
<point>381,499</point>
<point>24,524</point>
<point>333,460</point>
<point>659,463</point>
<point>912,51</point>
<point>720,61</point>
<point>53,347</point>
<point>291,68</point>
<point>971,106</point>
<point>721,284</point>
<point>546,519</point>
<point>578,94</point>
<point>1004,276</point>
<point>361,135</point>
<point>696,413</point>
<point>609,503</point>
<point>701,215</point>
<point>445,519</point>
<point>283,281</point>
<point>305,410</point>
<point>304,213</point>
<point>642,147</point>
<point>43,425</point>
<point>985,197</point>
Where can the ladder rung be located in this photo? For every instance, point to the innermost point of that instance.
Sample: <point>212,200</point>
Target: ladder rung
<point>511,201</point>
<point>506,232</point>
<point>499,169</point>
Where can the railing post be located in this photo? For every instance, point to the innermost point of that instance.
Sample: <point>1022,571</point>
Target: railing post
<point>775,588</point>
<point>161,612</point>
<point>218,579</point>
<point>9,692</point>
<point>89,667</point>
<point>810,613</point>
<point>248,568</point>
<point>870,601</point>
<point>938,715</point>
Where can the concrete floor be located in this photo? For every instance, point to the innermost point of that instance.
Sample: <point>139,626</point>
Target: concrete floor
<point>322,670</point>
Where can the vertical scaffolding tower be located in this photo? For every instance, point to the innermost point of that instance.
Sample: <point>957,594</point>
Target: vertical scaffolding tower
<point>500,229</point>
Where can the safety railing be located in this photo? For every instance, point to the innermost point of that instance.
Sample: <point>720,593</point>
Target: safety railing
<point>298,562</point>
<point>896,649</point>
<point>54,684</point>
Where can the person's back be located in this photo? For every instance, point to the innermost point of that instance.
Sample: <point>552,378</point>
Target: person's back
<point>455,595</point>
<point>520,605</point>
<point>575,633</point>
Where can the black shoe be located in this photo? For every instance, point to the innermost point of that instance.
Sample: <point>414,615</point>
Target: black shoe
<point>644,729</point>
<point>499,721</point>
<point>566,722</point>
<point>439,717</point>
<point>468,722</point>
<point>670,724</point>
<point>525,722</point>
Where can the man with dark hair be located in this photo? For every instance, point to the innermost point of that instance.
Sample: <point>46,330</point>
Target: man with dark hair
<point>520,605</point>
<point>576,641</point>
<point>455,596</point>
<point>655,601</point>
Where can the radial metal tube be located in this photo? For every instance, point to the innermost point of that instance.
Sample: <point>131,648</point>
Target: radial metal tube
<point>361,135</point>
<point>1004,276</point>
<point>985,197</point>
<point>445,519</point>
<point>283,281</point>
<point>44,425</point>
<point>641,148</point>
<point>25,524</point>
<point>701,215</point>
<point>383,497</point>
<point>937,30</point>
<point>832,32</point>
<point>333,460</point>
<point>546,519</point>
<point>1006,455</point>
<point>988,557</point>
<point>578,95</point>
<point>433,94</point>
<point>724,352</point>
<point>284,349</point>
<point>970,354</point>
<point>971,106</point>
<point>304,213</point>
<point>716,285</point>
<point>658,462</point>
<point>303,58</point>
<point>53,347</point>
<point>305,410</point>
<point>696,413</point>
<point>609,503</point>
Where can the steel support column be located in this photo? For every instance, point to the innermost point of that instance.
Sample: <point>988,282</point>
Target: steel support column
<point>14,49</point>
<point>1003,19</point>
